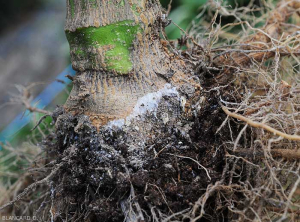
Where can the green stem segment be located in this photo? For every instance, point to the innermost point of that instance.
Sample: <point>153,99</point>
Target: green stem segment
<point>106,46</point>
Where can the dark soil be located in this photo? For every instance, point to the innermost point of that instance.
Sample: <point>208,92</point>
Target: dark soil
<point>148,165</point>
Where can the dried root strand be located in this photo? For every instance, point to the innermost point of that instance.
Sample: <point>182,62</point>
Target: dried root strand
<point>261,125</point>
<point>244,154</point>
<point>262,40</point>
<point>286,153</point>
<point>32,187</point>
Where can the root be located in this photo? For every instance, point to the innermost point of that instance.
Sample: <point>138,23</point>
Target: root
<point>260,125</point>
<point>185,157</point>
<point>263,39</point>
<point>32,187</point>
<point>287,154</point>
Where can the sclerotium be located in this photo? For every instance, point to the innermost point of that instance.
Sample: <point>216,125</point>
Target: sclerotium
<point>116,49</point>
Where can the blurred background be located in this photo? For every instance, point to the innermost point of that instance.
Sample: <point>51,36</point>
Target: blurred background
<point>33,49</point>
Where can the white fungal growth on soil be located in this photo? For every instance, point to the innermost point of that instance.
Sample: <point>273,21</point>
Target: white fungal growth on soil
<point>147,104</point>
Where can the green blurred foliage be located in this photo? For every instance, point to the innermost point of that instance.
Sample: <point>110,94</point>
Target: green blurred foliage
<point>182,13</point>
<point>27,134</point>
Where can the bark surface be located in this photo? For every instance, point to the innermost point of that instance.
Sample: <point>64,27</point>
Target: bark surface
<point>119,56</point>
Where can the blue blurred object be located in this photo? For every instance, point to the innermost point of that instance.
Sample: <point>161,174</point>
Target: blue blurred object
<point>41,101</point>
